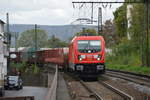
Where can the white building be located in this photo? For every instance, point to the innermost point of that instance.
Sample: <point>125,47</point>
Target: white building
<point>3,56</point>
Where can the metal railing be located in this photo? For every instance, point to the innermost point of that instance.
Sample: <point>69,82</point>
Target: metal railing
<point>51,95</point>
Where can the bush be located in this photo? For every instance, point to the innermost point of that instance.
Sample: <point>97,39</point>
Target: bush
<point>135,69</point>
<point>20,67</point>
<point>35,69</point>
<point>24,67</point>
<point>126,56</point>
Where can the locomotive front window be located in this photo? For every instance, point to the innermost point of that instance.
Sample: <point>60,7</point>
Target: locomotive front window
<point>82,44</point>
<point>89,46</point>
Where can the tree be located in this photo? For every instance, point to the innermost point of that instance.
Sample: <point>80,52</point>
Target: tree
<point>109,33</point>
<point>85,32</point>
<point>55,42</point>
<point>120,21</point>
<point>137,45</point>
<point>27,38</point>
<point>139,31</point>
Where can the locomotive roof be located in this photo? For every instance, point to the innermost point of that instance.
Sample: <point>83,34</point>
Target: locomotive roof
<point>86,37</point>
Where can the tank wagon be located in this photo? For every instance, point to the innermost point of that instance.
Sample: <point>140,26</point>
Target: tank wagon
<point>55,56</point>
<point>87,55</point>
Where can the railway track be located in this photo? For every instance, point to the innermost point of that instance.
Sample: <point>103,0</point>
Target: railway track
<point>79,90</point>
<point>94,93</point>
<point>132,78</point>
<point>102,91</point>
<point>124,95</point>
<point>107,92</point>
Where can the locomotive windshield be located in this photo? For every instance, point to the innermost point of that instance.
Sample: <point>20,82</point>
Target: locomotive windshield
<point>89,46</point>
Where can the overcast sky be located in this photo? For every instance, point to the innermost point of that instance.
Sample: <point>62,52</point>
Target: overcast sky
<point>44,12</point>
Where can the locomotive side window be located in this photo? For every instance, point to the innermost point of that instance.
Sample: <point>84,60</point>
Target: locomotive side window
<point>89,46</point>
<point>82,44</point>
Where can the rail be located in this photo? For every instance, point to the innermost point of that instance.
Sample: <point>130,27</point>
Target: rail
<point>129,77</point>
<point>131,73</point>
<point>121,93</point>
<point>18,98</point>
<point>51,95</point>
<point>94,93</point>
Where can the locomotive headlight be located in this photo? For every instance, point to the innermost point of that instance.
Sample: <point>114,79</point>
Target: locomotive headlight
<point>98,57</point>
<point>80,57</point>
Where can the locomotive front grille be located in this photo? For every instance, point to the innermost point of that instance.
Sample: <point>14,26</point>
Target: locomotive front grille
<point>89,68</point>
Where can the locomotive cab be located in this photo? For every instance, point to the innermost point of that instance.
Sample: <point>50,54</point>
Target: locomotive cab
<point>86,55</point>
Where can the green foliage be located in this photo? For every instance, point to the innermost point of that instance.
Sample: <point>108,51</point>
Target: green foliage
<point>20,67</point>
<point>35,69</point>
<point>132,59</point>
<point>55,42</point>
<point>24,67</point>
<point>121,21</point>
<point>135,69</point>
<point>90,32</point>
<point>125,53</point>
<point>27,38</point>
<point>109,34</point>
<point>137,28</point>
<point>129,52</point>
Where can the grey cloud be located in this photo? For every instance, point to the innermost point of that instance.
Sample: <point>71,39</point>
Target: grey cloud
<point>38,11</point>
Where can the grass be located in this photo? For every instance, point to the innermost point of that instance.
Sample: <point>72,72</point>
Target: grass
<point>126,56</point>
<point>135,69</point>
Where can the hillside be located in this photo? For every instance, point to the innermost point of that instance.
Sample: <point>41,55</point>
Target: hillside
<point>64,32</point>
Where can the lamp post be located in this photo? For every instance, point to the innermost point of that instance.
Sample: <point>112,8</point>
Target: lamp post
<point>35,37</point>
<point>36,43</point>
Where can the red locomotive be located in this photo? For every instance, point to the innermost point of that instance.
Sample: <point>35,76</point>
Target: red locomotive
<point>87,55</point>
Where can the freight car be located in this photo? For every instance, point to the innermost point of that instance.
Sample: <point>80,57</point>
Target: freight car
<point>41,57</point>
<point>27,55</point>
<point>87,56</point>
<point>55,56</point>
<point>66,58</point>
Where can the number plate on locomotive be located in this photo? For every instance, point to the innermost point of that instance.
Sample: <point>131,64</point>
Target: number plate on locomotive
<point>89,56</point>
